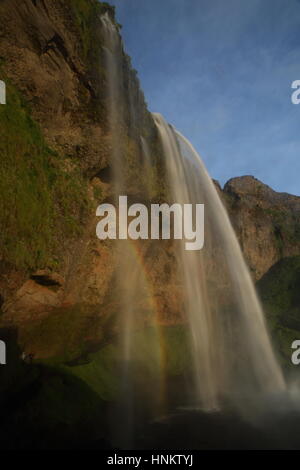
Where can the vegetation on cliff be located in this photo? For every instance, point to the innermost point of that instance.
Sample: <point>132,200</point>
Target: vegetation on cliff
<point>279,291</point>
<point>41,201</point>
<point>50,180</point>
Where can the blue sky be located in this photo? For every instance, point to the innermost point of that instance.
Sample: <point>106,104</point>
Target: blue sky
<point>221,72</point>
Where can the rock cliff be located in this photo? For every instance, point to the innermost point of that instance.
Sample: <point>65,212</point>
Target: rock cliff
<point>55,143</point>
<point>58,297</point>
<point>267,223</point>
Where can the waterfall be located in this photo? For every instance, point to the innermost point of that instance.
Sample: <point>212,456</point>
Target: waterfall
<point>233,356</point>
<point>131,284</point>
<point>112,51</point>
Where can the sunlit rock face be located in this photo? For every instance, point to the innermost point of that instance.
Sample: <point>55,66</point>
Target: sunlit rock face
<point>266,222</point>
<point>57,56</point>
<point>43,59</point>
<point>113,314</point>
<point>55,61</point>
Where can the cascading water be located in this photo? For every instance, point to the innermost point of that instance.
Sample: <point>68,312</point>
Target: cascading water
<point>233,360</point>
<point>131,285</point>
<point>231,348</point>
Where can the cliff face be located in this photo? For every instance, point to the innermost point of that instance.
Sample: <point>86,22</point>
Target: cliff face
<point>55,142</point>
<point>58,295</point>
<point>44,57</point>
<point>56,145</point>
<point>53,139</point>
<point>267,223</point>
<point>279,291</point>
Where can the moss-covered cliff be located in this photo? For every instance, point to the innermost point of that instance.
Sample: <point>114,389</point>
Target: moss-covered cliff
<point>57,281</point>
<point>56,277</point>
<point>279,291</point>
<point>56,146</point>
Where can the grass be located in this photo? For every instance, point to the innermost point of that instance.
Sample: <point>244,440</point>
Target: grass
<point>101,373</point>
<point>40,201</point>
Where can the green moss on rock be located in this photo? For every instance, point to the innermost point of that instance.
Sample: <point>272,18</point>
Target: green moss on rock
<point>280,294</point>
<point>157,355</point>
<point>41,201</point>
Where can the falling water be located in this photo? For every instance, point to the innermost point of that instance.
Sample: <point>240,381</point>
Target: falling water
<point>233,360</point>
<point>146,153</point>
<point>131,284</point>
<point>112,50</point>
<point>231,347</point>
